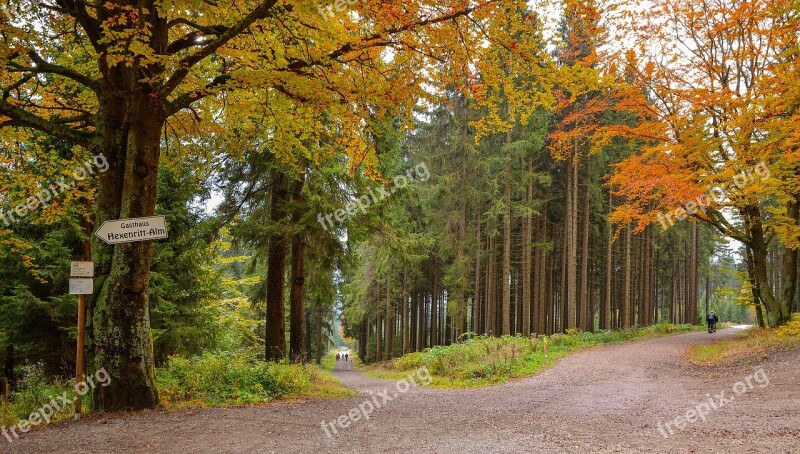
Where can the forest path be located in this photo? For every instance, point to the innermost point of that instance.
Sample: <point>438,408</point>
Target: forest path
<point>604,399</point>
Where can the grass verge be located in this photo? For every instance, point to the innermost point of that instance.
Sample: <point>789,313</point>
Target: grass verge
<point>209,380</point>
<point>754,343</point>
<point>482,360</point>
<point>218,380</point>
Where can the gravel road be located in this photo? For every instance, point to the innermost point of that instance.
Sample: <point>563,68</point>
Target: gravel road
<point>619,398</point>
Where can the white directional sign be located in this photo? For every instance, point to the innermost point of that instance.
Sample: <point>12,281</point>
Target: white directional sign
<point>133,230</point>
<point>81,286</point>
<point>82,269</point>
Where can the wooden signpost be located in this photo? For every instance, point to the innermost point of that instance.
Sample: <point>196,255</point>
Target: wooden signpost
<point>81,283</point>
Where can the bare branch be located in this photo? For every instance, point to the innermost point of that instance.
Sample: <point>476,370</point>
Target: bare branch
<point>42,66</point>
<point>21,117</point>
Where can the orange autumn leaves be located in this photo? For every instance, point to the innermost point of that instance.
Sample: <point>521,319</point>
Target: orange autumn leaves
<point>715,76</point>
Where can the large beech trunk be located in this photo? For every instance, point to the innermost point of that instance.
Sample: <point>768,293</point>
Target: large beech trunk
<point>119,319</point>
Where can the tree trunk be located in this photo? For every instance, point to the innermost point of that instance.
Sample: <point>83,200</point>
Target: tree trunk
<point>606,322</point>
<point>571,232</point>
<point>378,335</point>
<point>491,280</point>
<point>434,306</point>
<point>297,299</point>
<point>404,322</point>
<point>120,317</point>
<point>626,296</point>
<point>506,273</point>
<point>587,312</point>
<point>477,308</point>
<point>318,343</point>
<point>275,339</point>
<point>790,259</point>
<point>777,310</point>
<point>389,316</point>
<point>527,239</point>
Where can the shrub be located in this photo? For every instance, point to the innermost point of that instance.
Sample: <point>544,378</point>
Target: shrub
<point>790,328</point>
<point>224,378</point>
<point>33,391</point>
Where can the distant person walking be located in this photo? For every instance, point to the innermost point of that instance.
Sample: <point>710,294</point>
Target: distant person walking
<point>712,320</point>
<point>347,357</point>
<point>338,357</point>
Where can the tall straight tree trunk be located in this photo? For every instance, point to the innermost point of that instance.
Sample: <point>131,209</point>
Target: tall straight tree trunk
<point>506,276</point>
<point>389,317</point>
<point>477,308</point>
<point>543,301</point>
<point>550,307</point>
<point>368,330</point>
<point>414,322</point>
<point>527,239</point>
<point>608,271</point>
<point>297,296</point>
<point>571,284</point>
<point>695,273</point>
<point>490,293</point>
<point>422,318</point>
<point>318,344</point>
<point>434,306</point>
<point>297,293</point>
<point>587,311</point>
<point>404,322</point>
<point>275,340</point>
<point>378,333</point>
<point>646,281</point>
<point>626,296</point>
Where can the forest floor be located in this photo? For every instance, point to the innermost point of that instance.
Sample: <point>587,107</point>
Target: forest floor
<point>616,398</point>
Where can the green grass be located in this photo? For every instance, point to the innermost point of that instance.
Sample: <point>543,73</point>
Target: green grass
<point>224,379</point>
<point>482,360</point>
<point>754,343</point>
<point>209,380</point>
<point>34,391</point>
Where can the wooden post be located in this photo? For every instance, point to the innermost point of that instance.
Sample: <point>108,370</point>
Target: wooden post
<point>79,368</point>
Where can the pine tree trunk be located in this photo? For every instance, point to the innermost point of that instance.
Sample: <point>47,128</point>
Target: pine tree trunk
<point>434,306</point>
<point>318,344</point>
<point>378,334</point>
<point>527,239</point>
<point>571,231</point>
<point>606,322</point>
<point>506,273</point>
<point>389,317</point>
<point>542,299</point>
<point>404,322</point>
<point>587,313</point>
<point>414,322</point>
<point>490,293</point>
<point>297,296</point>
<point>477,307</point>
<point>626,290</point>
<point>297,292</point>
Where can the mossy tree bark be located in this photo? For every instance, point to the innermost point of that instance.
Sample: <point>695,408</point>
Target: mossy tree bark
<point>120,319</point>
